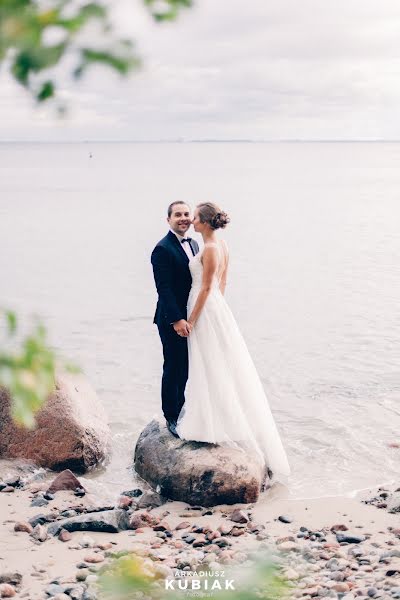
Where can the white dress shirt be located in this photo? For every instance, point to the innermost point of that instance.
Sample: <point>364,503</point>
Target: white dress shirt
<point>186,245</point>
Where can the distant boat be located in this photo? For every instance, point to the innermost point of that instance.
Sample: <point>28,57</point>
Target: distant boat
<point>90,155</point>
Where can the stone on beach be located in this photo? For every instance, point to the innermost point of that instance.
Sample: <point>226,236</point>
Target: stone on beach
<point>7,590</point>
<point>71,432</point>
<point>23,526</point>
<point>394,503</point>
<point>197,472</point>
<point>13,579</point>
<point>66,480</point>
<point>110,521</point>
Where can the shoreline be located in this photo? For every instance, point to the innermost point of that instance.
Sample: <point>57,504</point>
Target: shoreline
<point>261,531</point>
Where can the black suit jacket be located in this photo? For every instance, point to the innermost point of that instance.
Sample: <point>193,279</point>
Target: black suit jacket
<point>172,277</point>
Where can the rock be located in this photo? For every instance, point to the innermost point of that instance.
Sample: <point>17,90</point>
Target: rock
<point>287,538</point>
<point>71,432</point>
<point>65,480</point>
<point>195,472</point>
<point>340,587</point>
<point>339,527</point>
<point>39,501</point>
<point>41,519</point>
<point>7,590</point>
<point>14,481</point>
<point>142,519</point>
<point>13,579</point>
<point>393,505</point>
<point>53,589</point>
<point>285,519</point>
<point>183,525</point>
<point>23,526</point>
<point>222,542</point>
<point>124,502</point>
<point>8,489</point>
<point>199,541</point>
<point>86,542</point>
<point>110,521</point>
<point>162,526</point>
<point>349,538</point>
<point>132,493</point>
<point>392,572</point>
<point>61,597</point>
<point>39,533</point>
<point>288,547</point>
<point>225,528</point>
<point>189,538</point>
<point>64,536</point>
<point>104,545</point>
<point>76,592</point>
<point>150,500</point>
<point>94,558</point>
<point>236,532</point>
<point>239,516</point>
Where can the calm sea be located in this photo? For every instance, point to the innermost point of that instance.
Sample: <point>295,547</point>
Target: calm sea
<point>314,283</point>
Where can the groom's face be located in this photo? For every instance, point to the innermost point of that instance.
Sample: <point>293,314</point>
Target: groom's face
<point>180,219</point>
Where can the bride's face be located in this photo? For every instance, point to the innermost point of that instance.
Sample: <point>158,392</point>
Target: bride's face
<point>197,224</point>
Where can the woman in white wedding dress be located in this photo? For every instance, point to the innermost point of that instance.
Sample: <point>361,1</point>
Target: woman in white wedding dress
<point>225,402</point>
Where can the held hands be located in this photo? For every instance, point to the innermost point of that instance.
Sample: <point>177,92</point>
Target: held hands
<point>182,327</point>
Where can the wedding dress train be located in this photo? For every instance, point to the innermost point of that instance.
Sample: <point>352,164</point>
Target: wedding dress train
<point>225,402</point>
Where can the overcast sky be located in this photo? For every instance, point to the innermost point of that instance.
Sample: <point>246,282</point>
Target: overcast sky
<point>228,69</point>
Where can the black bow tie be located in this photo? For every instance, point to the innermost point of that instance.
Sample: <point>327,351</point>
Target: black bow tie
<point>186,240</point>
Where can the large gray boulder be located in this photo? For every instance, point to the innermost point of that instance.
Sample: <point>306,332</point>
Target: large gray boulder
<point>196,472</point>
<point>71,428</point>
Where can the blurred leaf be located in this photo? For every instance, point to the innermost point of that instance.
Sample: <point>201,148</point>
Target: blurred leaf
<point>25,23</point>
<point>11,321</point>
<point>28,371</point>
<point>121,64</point>
<point>130,576</point>
<point>166,10</point>
<point>46,91</point>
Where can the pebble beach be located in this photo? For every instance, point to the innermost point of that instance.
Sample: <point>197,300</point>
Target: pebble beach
<point>336,547</point>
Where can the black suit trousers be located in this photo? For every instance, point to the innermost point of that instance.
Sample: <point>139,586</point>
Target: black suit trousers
<point>175,370</point>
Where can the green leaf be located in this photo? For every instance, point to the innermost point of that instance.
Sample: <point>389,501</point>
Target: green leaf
<point>169,10</point>
<point>122,63</point>
<point>46,91</point>
<point>11,321</point>
<point>27,372</point>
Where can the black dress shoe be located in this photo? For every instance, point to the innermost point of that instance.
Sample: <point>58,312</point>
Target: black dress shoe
<point>171,426</point>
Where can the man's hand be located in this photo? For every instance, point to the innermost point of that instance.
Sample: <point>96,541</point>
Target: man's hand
<point>182,327</point>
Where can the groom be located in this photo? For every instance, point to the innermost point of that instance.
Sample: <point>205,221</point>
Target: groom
<point>170,260</point>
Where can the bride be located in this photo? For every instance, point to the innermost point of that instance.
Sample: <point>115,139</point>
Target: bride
<point>225,402</point>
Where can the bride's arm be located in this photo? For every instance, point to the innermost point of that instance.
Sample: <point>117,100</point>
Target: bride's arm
<point>222,283</point>
<point>210,265</point>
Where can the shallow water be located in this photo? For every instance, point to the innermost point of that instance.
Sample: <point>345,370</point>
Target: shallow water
<point>314,284</point>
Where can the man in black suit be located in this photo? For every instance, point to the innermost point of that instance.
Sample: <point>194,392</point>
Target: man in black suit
<point>170,260</point>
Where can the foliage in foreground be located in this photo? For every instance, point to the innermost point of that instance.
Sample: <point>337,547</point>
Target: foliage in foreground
<point>36,36</point>
<point>130,576</point>
<point>27,369</point>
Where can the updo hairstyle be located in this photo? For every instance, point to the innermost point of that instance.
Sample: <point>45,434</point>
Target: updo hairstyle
<point>211,214</point>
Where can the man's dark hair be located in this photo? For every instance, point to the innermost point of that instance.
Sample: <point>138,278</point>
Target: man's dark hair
<point>171,206</point>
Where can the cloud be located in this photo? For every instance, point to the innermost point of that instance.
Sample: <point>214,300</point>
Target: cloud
<point>261,70</point>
